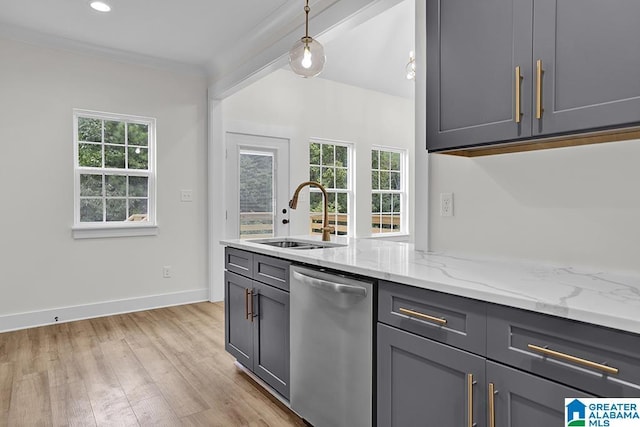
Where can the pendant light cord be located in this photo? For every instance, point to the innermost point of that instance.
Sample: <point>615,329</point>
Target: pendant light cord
<point>306,10</point>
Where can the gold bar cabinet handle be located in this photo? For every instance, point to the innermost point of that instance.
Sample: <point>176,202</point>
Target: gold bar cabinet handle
<point>438,320</point>
<point>246,303</point>
<point>574,359</point>
<point>518,80</point>
<point>492,405</point>
<point>251,304</point>
<point>539,72</point>
<point>470,400</point>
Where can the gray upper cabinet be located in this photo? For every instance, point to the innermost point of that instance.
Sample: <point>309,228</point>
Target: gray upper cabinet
<point>591,62</point>
<point>473,49</point>
<point>508,70</point>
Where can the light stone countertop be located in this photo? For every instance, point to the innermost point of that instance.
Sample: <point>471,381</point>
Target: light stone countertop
<point>603,298</point>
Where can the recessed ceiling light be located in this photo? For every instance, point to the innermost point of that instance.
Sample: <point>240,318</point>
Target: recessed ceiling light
<point>100,6</point>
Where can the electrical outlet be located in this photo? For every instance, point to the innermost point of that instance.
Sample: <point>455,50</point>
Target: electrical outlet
<point>166,271</point>
<point>186,195</point>
<point>446,204</point>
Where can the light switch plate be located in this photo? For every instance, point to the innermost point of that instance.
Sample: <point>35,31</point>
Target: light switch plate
<point>186,195</point>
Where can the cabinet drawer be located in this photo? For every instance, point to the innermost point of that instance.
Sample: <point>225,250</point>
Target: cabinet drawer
<point>272,271</point>
<point>562,350</point>
<point>453,320</point>
<point>238,261</point>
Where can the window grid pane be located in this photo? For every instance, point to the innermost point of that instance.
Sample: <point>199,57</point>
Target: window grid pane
<point>106,145</point>
<point>387,192</point>
<point>329,165</point>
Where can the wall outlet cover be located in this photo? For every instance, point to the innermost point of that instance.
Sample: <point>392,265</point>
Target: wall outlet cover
<point>446,204</point>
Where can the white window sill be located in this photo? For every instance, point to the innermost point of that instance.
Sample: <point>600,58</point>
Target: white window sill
<point>116,230</point>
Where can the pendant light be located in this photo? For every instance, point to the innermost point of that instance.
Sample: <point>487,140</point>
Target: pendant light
<point>306,57</point>
<point>410,69</point>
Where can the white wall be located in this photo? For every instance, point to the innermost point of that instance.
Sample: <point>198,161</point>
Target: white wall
<point>576,205</point>
<point>42,266</point>
<point>319,108</point>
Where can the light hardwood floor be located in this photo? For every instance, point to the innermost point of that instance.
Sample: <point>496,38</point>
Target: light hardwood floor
<point>158,367</point>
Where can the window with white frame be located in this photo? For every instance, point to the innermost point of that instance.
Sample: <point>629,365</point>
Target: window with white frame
<point>330,165</point>
<point>114,170</point>
<point>388,197</point>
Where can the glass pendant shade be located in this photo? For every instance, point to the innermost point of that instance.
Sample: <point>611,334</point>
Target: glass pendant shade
<point>306,57</point>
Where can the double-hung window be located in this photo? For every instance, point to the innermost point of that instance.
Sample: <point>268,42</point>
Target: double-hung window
<point>114,157</point>
<point>388,186</point>
<point>330,165</point>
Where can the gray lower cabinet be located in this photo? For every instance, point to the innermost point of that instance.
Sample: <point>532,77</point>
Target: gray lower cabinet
<point>238,328</point>
<point>425,383</point>
<point>508,70</point>
<point>524,400</point>
<point>271,336</point>
<point>257,316</point>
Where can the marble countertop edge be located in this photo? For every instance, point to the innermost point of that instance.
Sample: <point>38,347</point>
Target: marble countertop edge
<point>610,299</point>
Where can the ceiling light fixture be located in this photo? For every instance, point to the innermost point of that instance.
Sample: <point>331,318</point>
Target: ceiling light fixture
<point>410,68</point>
<point>306,57</point>
<point>100,6</point>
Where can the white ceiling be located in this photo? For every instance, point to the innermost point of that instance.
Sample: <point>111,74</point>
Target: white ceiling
<point>374,54</point>
<point>224,37</point>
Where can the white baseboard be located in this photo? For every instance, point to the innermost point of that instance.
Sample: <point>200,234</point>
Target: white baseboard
<point>12,322</point>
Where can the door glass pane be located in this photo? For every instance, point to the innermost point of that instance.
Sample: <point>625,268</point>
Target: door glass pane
<point>256,195</point>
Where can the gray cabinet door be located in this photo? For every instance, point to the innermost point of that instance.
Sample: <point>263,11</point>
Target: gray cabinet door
<point>424,383</point>
<point>473,48</point>
<point>590,57</point>
<point>238,329</point>
<point>524,400</point>
<point>271,336</point>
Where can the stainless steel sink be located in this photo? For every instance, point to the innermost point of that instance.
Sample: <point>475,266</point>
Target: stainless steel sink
<point>285,242</point>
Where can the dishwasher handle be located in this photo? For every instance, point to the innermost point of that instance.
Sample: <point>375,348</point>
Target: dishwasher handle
<point>326,285</point>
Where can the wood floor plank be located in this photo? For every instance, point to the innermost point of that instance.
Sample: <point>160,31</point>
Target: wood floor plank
<point>108,400</point>
<point>182,396</point>
<point>157,367</point>
<point>133,378</point>
<point>106,329</point>
<point>155,411</point>
<point>70,405</point>
<point>30,404</point>
<point>6,385</point>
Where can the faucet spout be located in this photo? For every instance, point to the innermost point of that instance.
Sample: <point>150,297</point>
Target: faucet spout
<point>293,203</point>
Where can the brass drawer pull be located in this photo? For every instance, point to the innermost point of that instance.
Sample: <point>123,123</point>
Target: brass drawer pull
<point>470,400</point>
<point>252,314</point>
<point>574,359</point>
<point>246,303</point>
<point>539,72</point>
<point>437,320</point>
<point>492,405</point>
<point>518,80</point>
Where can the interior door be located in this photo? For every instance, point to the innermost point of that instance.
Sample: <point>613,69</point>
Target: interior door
<point>257,186</point>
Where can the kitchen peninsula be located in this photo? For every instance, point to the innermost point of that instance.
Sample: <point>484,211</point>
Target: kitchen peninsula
<point>502,338</point>
<point>574,292</point>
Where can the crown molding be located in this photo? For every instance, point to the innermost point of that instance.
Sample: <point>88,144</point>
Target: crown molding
<point>26,35</point>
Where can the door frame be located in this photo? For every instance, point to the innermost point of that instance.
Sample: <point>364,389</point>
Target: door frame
<point>280,147</point>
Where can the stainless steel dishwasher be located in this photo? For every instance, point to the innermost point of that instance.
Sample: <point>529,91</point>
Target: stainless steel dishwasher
<point>331,348</point>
